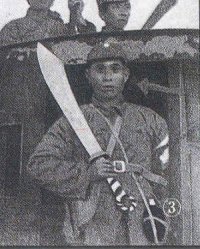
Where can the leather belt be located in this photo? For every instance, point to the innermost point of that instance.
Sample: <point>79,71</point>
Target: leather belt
<point>137,168</point>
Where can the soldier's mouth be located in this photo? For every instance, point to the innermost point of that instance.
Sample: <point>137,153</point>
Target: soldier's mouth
<point>108,88</point>
<point>123,20</point>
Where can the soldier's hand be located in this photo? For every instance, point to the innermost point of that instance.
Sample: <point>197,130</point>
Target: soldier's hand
<point>76,6</point>
<point>76,9</point>
<point>102,168</point>
<point>78,3</point>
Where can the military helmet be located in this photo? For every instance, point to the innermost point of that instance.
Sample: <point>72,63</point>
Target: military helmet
<point>107,50</point>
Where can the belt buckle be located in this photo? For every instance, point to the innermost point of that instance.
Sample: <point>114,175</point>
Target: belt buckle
<point>119,166</point>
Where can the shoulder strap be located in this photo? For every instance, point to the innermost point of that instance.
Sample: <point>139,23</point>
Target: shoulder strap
<point>115,133</point>
<point>115,130</point>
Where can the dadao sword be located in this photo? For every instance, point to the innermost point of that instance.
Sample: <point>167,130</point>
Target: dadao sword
<point>55,76</point>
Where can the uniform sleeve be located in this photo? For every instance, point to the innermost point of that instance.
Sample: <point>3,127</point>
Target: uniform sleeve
<point>91,27</point>
<point>10,34</point>
<point>54,166</point>
<point>58,29</point>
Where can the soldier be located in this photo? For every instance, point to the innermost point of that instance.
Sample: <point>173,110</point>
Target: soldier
<point>115,14</point>
<point>39,23</point>
<point>78,24</point>
<point>104,207</point>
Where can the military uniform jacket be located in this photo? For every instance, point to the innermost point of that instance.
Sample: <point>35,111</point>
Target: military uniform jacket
<point>61,164</point>
<point>37,24</point>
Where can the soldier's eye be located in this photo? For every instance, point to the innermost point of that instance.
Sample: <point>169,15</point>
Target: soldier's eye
<point>128,6</point>
<point>99,68</point>
<point>116,68</point>
<point>124,5</point>
<point>121,4</point>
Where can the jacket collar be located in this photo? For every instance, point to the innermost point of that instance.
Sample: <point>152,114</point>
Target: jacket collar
<point>110,109</point>
<point>41,14</point>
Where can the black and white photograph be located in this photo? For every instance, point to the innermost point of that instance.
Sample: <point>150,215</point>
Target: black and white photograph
<point>99,123</point>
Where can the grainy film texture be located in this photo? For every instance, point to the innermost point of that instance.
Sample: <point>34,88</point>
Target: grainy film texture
<point>99,123</point>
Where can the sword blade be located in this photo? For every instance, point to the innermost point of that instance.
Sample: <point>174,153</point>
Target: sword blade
<point>163,7</point>
<point>55,76</point>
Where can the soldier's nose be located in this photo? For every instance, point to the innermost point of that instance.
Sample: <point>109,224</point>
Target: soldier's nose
<point>107,75</point>
<point>107,79</point>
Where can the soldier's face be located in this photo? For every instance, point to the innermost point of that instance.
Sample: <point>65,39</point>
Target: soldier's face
<point>107,78</point>
<point>117,14</point>
<point>41,4</point>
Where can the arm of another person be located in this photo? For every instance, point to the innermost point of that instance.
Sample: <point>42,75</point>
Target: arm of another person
<point>10,33</point>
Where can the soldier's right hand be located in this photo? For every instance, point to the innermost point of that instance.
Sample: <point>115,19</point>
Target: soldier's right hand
<point>102,168</point>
